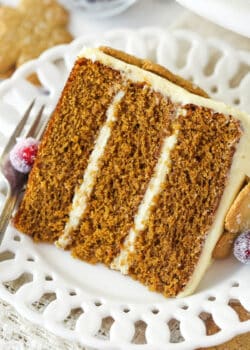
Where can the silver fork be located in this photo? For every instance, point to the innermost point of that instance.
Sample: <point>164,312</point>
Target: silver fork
<point>14,179</point>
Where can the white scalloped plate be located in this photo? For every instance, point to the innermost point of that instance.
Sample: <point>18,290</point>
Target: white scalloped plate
<point>91,304</point>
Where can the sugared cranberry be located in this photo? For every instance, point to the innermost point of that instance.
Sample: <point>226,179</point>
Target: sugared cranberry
<point>242,247</point>
<point>23,154</point>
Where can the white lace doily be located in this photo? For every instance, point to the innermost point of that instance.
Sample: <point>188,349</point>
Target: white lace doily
<point>91,304</point>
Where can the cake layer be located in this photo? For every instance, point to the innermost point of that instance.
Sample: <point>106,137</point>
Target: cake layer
<point>167,252</point>
<point>64,152</point>
<point>124,173</point>
<point>141,218</point>
<point>82,194</point>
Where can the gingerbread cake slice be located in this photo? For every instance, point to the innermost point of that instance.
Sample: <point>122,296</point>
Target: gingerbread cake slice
<point>137,170</point>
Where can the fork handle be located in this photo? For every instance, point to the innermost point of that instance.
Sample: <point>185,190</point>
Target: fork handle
<point>7,211</point>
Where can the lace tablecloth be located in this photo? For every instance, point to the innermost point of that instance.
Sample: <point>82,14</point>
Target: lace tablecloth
<point>16,333</point>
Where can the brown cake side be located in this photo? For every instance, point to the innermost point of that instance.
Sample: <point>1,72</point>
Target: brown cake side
<point>185,209</point>
<point>65,149</point>
<point>131,154</point>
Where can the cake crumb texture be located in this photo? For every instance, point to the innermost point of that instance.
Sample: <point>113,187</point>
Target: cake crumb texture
<point>167,252</point>
<point>64,152</point>
<point>143,121</point>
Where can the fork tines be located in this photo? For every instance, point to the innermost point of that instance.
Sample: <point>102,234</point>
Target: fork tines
<point>15,180</point>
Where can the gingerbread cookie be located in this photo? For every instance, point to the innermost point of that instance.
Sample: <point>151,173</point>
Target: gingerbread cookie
<point>28,30</point>
<point>154,68</point>
<point>224,245</point>
<point>238,217</point>
<point>236,221</point>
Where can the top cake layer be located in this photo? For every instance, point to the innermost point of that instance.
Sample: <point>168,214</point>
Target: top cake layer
<point>136,172</point>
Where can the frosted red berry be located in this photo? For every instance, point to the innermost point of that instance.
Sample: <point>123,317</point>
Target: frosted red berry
<point>23,154</point>
<point>242,247</point>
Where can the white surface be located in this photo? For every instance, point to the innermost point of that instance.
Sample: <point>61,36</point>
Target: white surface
<point>161,13</point>
<point>231,14</point>
<point>101,9</point>
<point>93,284</point>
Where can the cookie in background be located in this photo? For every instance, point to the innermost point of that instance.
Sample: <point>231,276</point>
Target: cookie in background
<point>29,29</point>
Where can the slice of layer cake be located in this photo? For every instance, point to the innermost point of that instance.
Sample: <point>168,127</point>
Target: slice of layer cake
<point>137,170</point>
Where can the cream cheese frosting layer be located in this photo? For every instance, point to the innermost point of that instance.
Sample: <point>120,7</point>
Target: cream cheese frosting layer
<point>82,193</point>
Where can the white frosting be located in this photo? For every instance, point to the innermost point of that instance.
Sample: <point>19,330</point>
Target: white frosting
<point>82,193</point>
<point>162,168</point>
<point>239,169</point>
